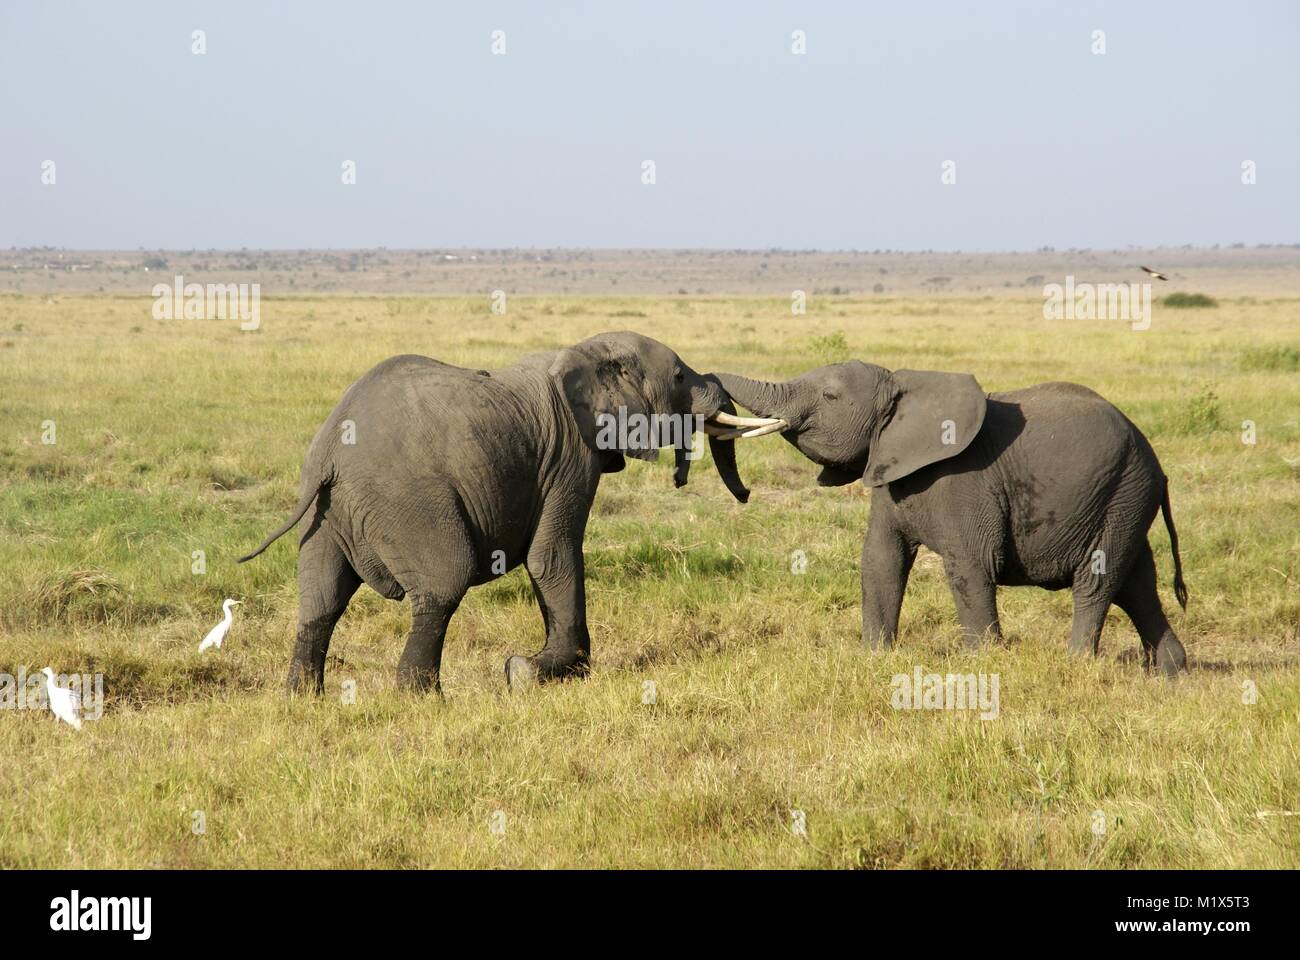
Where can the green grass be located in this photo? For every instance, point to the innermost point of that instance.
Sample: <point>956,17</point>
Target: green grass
<point>1271,358</point>
<point>187,436</point>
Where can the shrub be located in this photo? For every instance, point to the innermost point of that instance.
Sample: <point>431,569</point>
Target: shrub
<point>1185,301</point>
<point>831,346</point>
<point>1200,415</point>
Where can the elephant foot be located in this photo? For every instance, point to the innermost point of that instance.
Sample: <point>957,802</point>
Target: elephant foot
<point>1171,658</point>
<point>528,671</point>
<point>307,664</point>
<point>305,678</point>
<point>521,672</point>
<point>418,681</point>
<point>877,640</point>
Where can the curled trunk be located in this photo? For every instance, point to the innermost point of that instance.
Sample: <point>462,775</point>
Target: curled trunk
<point>724,461</point>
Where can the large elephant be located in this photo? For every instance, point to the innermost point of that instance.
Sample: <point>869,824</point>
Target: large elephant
<point>1050,486</point>
<point>428,479</point>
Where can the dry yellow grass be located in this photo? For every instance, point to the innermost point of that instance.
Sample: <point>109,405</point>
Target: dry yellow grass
<point>184,436</point>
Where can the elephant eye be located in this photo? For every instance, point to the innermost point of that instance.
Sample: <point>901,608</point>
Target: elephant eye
<point>679,376</point>
<point>830,395</point>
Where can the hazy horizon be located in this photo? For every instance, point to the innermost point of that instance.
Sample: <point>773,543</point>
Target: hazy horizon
<point>838,149</point>
<point>615,248</point>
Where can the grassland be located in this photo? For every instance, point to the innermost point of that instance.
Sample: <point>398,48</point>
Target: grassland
<point>175,437</point>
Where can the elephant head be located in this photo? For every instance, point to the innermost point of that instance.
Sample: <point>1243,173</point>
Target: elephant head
<point>862,421</point>
<point>631,395</point>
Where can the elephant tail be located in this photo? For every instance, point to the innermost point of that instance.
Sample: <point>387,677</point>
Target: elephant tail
<point>304,504</point>
<point>1180,588</point>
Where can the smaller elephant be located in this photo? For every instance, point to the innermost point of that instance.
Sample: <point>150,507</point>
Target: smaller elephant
<point>1050,486</point>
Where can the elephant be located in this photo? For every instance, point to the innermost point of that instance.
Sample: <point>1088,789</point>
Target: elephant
<point>1050,486</point>
<point>428,479</point>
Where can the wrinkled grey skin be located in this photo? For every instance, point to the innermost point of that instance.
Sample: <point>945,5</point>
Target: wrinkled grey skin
<point>456,476</point>
<point>1010,488</point>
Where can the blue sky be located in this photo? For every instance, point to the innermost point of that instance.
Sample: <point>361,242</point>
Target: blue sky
<point>754,146</point>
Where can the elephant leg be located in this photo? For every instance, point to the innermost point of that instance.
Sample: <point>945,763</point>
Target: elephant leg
<point>1085,629</point>
<point>1139,598</point>
<point>326,582</point>
<point>421,661</point>
<point>1096,584</point>
<point>887,558</point>
<point>435,573</point>
<point>975,595</point>
<point>556,569</point>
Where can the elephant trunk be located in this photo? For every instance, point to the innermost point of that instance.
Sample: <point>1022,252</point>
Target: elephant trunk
<point>722,448</point>
<point>724,459</point>
<point>723,428</point>
<point>763,398</point>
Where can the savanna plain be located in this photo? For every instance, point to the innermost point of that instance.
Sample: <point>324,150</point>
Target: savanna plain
<point>730,701</point>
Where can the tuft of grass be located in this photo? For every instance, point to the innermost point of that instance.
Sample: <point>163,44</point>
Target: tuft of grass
<point>63,595</point>
<point>652,558</point>
<point>223,475</point>
<point>829,347</point>
<point>1197,416</point>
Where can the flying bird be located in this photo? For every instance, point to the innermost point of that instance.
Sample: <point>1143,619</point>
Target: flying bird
<point>1154,273</point>
<point>64,703</point>
<point>218,633</point>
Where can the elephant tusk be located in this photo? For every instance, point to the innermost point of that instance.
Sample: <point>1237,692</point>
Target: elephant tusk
<point>722,433</point>
<point>731,420</point>
<point>779,426</point>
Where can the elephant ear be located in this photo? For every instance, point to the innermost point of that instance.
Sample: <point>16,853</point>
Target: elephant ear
<point>935,416</point>
<point>606,390</point>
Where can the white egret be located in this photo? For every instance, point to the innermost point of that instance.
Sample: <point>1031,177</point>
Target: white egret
<point>218,633</point>
<point>64,703</point>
